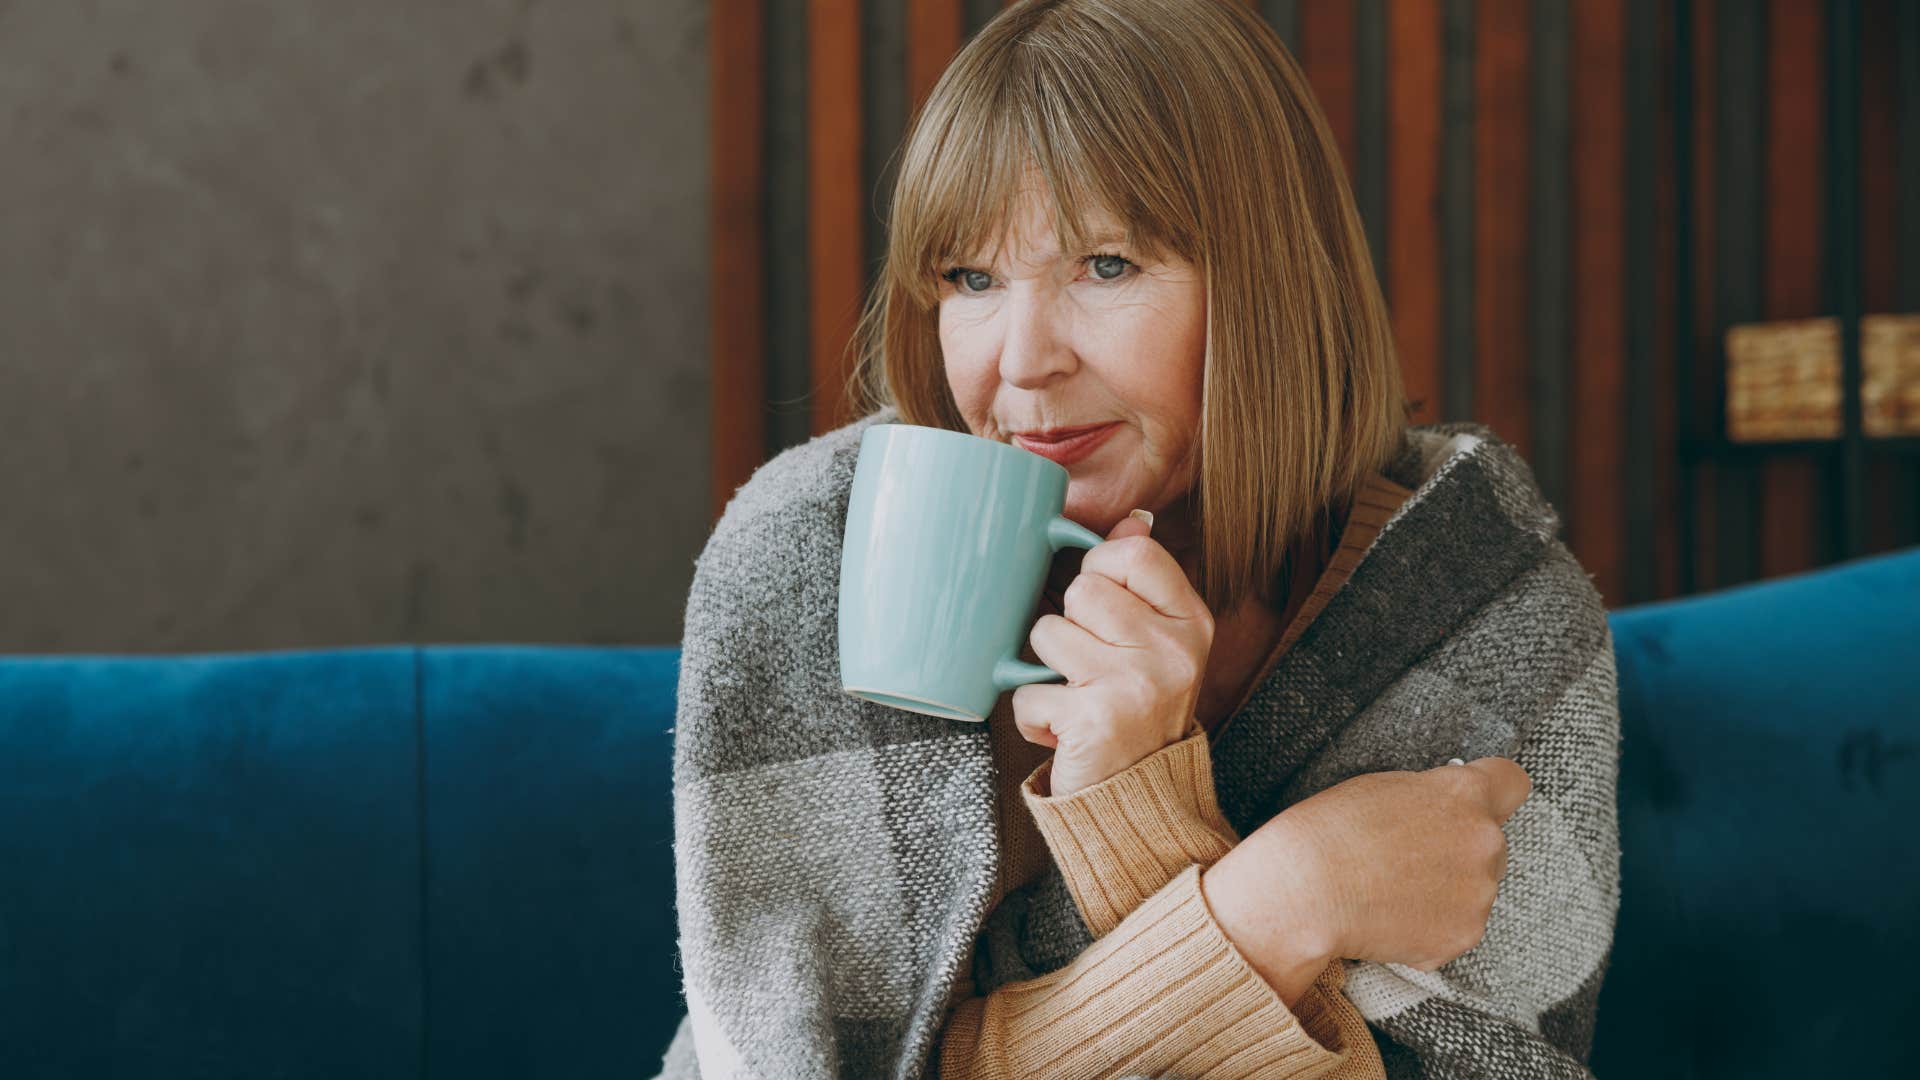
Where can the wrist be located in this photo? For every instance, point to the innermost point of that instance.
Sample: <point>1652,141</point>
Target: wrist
<point>1265,921</point>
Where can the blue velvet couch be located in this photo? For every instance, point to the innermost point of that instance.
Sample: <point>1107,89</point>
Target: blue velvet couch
<point>456,861</point>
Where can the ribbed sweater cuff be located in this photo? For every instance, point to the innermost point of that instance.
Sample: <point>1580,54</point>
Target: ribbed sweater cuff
<point>1165,993</point>
<point>1119,841</point>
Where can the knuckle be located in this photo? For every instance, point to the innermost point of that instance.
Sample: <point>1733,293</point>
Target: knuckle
<point>1078,588</point>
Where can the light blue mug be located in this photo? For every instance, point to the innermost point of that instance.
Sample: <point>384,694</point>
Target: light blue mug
<point>949,537</point>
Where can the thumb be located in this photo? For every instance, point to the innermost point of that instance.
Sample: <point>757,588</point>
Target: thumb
<point>1136,523</point>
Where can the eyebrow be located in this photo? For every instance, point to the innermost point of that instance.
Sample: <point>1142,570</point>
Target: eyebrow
<point>1097,239</point>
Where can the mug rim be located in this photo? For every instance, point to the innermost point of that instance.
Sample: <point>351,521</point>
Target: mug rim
<point>926,430</point>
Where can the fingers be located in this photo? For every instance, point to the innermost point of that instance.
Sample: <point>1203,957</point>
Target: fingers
<point>1106,609</point>
<point>1508,785</point>
<point>1035,706</point>
<point>1143,566</point>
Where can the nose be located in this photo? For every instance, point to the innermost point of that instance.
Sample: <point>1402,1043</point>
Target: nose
<point>1032,350</point>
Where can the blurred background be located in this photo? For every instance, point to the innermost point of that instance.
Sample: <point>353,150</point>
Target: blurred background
<point>356,322</point>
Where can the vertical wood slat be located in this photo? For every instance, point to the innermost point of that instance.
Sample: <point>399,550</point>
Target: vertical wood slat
<point>1284,17</point>
<point>1670,493</point>
<point>1879,255</point>
<point>979,13</point>
<point>1549,219</point>
<point>1740,116</point>
<point>1502,143</point>
<point>1906,226</point>
<point>1792,510</point>
<point>1599,317</point>
<point>737,52</point>
<point>1370,136</point>
<point>1700,422</point>
<point>1459,328</point>
<point>1326,53</point>
<point>1642,435</point>
<point>1413,152</point>
<point>836,210</point>
<point>934,33</point>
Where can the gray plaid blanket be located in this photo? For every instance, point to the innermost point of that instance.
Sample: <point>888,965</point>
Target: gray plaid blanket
<point>835,857</point>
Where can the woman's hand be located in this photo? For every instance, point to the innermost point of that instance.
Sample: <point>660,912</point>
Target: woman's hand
<point>1133,644</point>
<point>1395,867</point>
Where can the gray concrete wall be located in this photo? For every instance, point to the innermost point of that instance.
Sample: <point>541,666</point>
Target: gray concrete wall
<point>328,322</point>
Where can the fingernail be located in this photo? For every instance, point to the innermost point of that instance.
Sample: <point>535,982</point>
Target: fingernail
<point>1143,515</point>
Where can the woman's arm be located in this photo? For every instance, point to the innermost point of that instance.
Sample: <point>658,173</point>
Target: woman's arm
<point>1163,983</point>
<point>1163,992</point>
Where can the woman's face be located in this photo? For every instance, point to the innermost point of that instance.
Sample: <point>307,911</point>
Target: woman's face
<point>1060,339</point>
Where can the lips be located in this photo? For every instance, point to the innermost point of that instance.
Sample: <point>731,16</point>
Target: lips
<point>1072,445</point>
<point>1058,434</point>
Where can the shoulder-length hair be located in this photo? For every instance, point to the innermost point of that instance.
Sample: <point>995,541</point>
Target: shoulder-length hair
<point>1189,122</point>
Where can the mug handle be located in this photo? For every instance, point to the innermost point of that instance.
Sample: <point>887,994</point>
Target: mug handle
<point>1011,671</point>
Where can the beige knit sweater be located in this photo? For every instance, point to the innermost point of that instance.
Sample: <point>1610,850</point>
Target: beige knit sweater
<point>1161,990</point>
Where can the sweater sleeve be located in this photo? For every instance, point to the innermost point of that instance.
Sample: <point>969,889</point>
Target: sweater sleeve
<point>1118,841</point>
<point>1163,993</point>
<point>1162,988</point>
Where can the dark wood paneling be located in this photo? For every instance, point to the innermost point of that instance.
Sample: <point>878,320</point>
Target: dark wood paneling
<point>1502,178</point>
<point>1877,208</point>
<point>1644,440</point>
<point>738,204</point>
<point>1791,502</point>
<point>1284,17</point>
<point>1671,491</point>
<point>1700,421</point>
<point>1370,117</point>
<point>1905,222</point>
<point>789,320</point>
<point>883,91</point>
<point>979,13</point>
<point>1414,273</point>
<point>1459,327</point>
<point>1596,507</point>
<point>1326,52</point>
<point>836,220</point>
<point>934,30</point>
<point>1549,253</point>
<point>1740,108</point>
<point>1518,168</point>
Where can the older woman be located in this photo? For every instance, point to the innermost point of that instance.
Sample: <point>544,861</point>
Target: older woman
<point>1281,818</point>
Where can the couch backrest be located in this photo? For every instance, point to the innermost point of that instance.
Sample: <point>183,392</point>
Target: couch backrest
<point>441,861</point>
<point>1770,830</point>
<point>457,860</point>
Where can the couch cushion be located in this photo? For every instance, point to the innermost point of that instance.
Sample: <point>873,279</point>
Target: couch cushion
<point>1769,800</point>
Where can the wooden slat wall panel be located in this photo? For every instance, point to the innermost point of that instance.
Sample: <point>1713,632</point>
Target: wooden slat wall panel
<point>1597,503</point>
<point>1741,106</point>
<point>1326,53</point>
<point>1704,229</point>
<point>1502,277</point>
<point>1515,166</point>
<point>836,222</point>
<point>1879,260</point>
<point>1665,498</point>
<point>1792,510</point>
<point>1640,436</point>
<point>1415,271</point>
<point>934,29</point>
<point>1549,220</point>
<point>738,49</point>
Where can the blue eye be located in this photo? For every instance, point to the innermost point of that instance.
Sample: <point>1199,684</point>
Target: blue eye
<point>1124,262</point>
<point>979,280</point>
<point>956,272</point>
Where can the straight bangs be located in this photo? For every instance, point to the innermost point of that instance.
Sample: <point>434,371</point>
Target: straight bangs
<point>1028,114</point>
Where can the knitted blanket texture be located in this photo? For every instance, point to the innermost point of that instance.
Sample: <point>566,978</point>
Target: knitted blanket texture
<point>835,858</point>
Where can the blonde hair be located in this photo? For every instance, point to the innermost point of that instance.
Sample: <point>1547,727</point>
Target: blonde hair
<point>1189,122</point>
